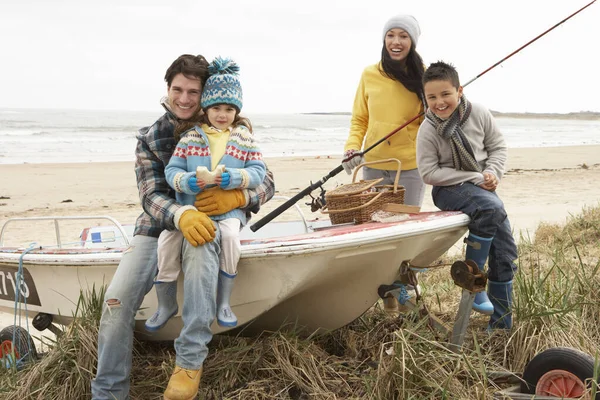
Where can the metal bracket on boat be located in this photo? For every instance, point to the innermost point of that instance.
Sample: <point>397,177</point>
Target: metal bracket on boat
<point>467,275</point>
<point>407,276</point>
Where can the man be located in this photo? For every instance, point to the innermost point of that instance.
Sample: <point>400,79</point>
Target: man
<point>135,274</point>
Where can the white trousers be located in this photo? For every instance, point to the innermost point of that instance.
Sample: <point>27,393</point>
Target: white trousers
<point>169,250</point>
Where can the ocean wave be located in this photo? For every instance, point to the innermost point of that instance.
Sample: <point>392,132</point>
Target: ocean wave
<point>100,129</point>
<point>286,128</point>
<point>33,125</point>
<point>41,136</point>
<point>9,123</point>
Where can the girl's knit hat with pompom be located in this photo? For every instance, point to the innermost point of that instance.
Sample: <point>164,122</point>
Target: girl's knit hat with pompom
<point>223,84</point>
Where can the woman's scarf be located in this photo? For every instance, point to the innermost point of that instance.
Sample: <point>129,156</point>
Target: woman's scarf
<point>450,129</point>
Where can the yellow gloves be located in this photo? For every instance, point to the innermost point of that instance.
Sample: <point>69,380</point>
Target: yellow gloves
<point>216,201</point>
<point>196,227</point>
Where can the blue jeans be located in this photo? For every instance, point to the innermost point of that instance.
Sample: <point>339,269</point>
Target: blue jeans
<point>132,280</point>
<point>410,179</point>
<point>488,219</point>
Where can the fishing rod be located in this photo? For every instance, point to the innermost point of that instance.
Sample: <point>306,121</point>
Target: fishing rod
<point>269,217</point>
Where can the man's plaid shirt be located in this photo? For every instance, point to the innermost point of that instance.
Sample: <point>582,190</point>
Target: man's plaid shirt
<point>155,145</point>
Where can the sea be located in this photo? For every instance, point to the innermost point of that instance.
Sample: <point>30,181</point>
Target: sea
<point>73,136</point>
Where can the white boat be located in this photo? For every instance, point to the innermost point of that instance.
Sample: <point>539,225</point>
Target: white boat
<point>306,274</point>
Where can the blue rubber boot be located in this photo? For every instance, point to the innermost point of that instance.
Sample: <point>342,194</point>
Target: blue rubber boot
<point>225,316</point>
<point>167,305</point>
<point>501,296</point>
<point>478,249</point>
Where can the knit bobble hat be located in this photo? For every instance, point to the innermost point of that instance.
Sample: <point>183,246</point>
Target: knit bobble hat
<point>223,84</point>
<point>406,22</point>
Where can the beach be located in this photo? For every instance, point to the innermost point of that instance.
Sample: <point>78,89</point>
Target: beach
<point>541,184</point>
<point>544,184</point>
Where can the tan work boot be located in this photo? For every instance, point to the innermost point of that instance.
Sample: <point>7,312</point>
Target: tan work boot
<point>183,384</point>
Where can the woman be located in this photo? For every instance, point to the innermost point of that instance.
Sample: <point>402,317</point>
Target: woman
<point>390,93</point>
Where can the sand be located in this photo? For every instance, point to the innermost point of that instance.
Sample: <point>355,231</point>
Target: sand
<point>541,184</point>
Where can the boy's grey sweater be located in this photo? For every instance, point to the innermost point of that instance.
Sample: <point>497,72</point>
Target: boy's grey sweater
<point>434,155</point>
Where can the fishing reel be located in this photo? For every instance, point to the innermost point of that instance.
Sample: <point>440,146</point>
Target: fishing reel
<point>319,202</point>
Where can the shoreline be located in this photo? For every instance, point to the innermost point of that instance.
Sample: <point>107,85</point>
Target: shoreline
<point>519,152</point>
<point>541,184</point>
<point>574,115</point>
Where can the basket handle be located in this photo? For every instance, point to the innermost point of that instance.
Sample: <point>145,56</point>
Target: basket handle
<point>354,208</point>
<point>381,162</point>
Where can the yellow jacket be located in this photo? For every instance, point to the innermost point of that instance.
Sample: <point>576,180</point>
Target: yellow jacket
<point>381,105</point>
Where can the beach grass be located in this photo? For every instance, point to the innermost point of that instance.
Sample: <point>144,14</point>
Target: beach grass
<point>378,356</point>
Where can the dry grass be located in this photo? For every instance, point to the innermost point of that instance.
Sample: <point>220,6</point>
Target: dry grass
<point>65,371</point>
<point>557,303</point>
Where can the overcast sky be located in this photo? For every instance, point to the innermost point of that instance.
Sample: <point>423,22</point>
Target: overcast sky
<point>295,56</point>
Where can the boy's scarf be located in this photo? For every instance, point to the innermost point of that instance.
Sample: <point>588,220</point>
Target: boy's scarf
<point>450,129</point>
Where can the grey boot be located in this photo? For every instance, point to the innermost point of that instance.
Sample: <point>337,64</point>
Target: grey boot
<point>478,249</point>
<point>501,296</point>
<point>225,316</point>
<point>166,292</point>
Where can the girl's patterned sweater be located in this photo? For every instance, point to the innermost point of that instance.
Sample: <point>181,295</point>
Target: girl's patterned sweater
<point>242,160</point>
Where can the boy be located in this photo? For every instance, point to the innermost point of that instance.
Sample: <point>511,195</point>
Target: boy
<point>461,153</point>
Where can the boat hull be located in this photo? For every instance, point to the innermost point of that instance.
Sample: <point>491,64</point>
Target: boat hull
<point>312,282</point>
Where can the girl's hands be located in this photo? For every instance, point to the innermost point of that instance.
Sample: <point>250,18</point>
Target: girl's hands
<point>196,185</point>
<point>225,179</point>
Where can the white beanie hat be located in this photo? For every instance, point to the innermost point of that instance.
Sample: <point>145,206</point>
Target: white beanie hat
<point>406,22</point>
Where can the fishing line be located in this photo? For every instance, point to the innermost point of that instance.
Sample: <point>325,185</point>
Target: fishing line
<point>269,217</point>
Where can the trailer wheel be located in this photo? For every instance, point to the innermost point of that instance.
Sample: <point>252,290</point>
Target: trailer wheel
<point>23,345</point>
<point>560,372</point>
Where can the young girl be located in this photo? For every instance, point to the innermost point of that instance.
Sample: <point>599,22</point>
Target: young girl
<point>223,139</point>
<point>389,94</point>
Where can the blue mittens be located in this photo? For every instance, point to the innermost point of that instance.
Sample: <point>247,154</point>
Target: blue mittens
<point>225,179</point>
<point>193,184</point>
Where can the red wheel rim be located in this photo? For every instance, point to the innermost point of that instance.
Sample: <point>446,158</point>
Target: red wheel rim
<point>560,383</point>
<point>6,349</point>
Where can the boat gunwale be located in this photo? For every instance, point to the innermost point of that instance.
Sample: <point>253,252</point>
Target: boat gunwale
<point>322,240</point>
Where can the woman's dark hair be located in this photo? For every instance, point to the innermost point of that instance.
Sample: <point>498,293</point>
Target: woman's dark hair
<point>410,75</point>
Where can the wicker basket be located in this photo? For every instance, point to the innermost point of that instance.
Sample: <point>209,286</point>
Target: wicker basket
<point>357,201</point>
